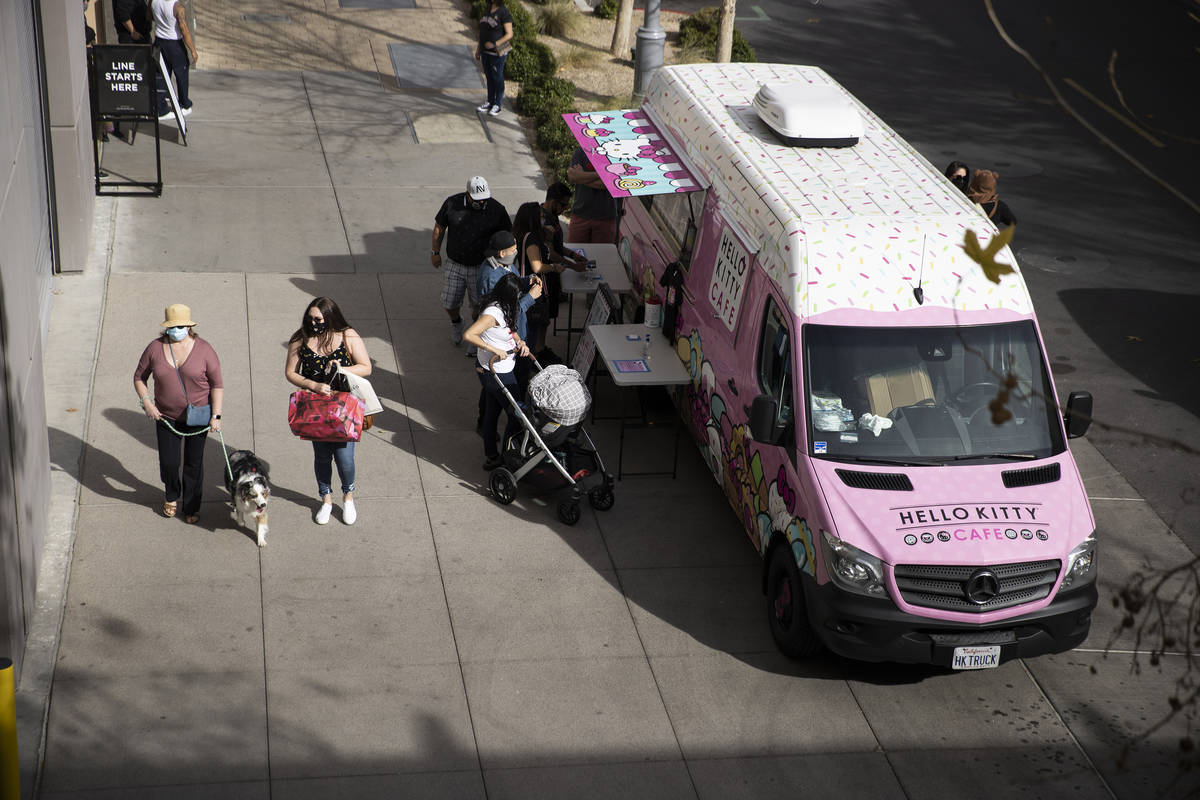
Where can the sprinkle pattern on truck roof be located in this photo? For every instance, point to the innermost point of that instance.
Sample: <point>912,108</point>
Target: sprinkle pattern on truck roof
<point>836,228</point>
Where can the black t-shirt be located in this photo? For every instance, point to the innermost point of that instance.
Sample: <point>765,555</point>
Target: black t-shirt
<point>591,203</point>
<point>468,230</point>
<point>491,26</point>
<point>135,11</point>
<point>999,213</point>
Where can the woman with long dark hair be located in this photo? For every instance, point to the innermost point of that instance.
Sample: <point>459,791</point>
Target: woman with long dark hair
<point>495,335</point>
<point>323,341</point>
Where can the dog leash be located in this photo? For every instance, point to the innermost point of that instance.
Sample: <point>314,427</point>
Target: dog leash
<point>205,429</point>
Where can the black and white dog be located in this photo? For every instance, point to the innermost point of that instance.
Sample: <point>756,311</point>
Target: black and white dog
<point>250,490</point>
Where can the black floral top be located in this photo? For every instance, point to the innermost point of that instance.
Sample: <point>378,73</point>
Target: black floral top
<point>315,367</point>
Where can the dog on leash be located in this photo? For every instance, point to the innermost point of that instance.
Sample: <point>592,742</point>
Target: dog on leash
<point>250,489</point>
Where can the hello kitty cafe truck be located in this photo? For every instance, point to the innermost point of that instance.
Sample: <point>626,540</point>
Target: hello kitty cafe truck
<point>847,360</point>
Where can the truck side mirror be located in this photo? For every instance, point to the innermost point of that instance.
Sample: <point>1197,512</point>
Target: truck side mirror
<point>764,415</point>
<point>1078,416</point>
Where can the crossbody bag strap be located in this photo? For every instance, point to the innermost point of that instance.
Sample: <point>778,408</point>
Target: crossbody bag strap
<point>525,256</point>
<point>178,374</point>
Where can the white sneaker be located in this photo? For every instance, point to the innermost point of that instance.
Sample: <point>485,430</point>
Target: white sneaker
<point>458,327</point>
<point>324,514</point>
<point>494,111</point>
<point>484,107</point>
<point>186,111</point>
<point>166,116</point>
<point>349,512</point>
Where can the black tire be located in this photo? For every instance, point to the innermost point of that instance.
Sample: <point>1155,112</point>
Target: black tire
<point>503,486</point>
<point>569,512</point>
<point>601,498</point>
<point>787,613</point>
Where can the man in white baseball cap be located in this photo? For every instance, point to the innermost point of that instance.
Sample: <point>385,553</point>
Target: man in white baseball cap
<point>478,189</point>
<point>468,220</point>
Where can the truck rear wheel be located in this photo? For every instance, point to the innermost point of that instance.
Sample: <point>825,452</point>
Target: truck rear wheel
<point>787,613</point>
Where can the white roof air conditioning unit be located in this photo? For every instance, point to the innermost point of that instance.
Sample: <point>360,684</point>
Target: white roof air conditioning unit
<point>809,115</point>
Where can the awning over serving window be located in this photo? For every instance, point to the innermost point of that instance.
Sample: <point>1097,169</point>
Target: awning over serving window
<point>629,153</point>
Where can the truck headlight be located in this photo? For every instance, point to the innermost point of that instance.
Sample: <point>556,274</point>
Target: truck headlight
<point>1081,564</point>
<point>851,568</point>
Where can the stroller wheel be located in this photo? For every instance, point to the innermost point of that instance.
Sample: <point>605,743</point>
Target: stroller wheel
<point>503,486</point>
<point>568,512</point>
<point>601,497</point>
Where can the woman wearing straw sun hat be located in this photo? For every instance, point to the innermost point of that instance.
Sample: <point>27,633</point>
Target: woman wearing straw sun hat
<point>188,394</point>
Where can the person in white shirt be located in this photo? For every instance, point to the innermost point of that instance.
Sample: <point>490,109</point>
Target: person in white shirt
<point>171,34</point>
<point>495,336</point>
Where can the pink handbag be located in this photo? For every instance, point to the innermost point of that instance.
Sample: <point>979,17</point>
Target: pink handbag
<point>337,418</point>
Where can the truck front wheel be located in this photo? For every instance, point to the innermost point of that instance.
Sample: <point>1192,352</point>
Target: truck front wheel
<point>787,613</point>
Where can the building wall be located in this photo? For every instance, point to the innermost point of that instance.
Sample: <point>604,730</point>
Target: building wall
<point>45,163</point>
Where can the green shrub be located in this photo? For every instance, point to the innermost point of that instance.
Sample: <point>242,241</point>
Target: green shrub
<point>700,31</point>
<point>528,60</point>
<point>607,9</point>
<point>542,98</point>
<point>523,24</point>
<point>553,135</point>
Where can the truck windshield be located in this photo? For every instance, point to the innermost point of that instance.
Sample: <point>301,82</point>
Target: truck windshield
<point>928,395</point>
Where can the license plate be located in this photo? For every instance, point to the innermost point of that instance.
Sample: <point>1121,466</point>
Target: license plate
<point>976,657</point>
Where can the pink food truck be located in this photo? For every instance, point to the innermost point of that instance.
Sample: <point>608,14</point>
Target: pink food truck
<point>877,409</point>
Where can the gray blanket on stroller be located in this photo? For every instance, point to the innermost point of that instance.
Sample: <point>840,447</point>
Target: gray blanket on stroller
<point>559,392</point>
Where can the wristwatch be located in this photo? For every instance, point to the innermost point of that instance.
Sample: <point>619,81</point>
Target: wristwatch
<point>216,416</point>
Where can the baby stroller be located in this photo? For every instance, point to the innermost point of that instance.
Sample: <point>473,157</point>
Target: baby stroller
<point>553,450</point>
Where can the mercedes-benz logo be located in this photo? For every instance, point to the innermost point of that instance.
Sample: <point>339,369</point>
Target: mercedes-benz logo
<point>982,587</point>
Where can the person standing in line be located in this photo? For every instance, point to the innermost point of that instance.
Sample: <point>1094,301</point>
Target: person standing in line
<point>594,214</point>
<point>960,175</point>
<point>324,340</point>
<point>983,192</point>
<point>495,42</point>
<point>494,335</point>
<point>542,252</point>
<point>171,34</point>
<point>501,255</point>
<point>132,20</point>
<point>468,220</point>
<point>186,370</point>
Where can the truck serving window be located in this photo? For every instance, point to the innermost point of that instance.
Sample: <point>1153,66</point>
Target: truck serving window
<point>671,214</point>
<point>929,395</point>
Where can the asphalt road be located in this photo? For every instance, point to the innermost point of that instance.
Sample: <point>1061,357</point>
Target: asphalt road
<point>1108,240</point>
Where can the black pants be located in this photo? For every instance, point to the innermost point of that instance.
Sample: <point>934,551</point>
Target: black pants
<point>172,449</point>
<point>493,403</point>
<point>175,56</point>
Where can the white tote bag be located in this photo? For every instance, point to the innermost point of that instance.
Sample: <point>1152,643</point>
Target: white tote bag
<point>361,388</point>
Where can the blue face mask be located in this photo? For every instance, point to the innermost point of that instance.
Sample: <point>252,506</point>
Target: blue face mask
<point>177,334</point>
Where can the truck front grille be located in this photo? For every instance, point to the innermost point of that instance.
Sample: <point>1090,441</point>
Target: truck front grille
<point>948,587</point>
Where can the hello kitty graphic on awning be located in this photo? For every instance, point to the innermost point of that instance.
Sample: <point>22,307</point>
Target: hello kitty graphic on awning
<point>629,153</point>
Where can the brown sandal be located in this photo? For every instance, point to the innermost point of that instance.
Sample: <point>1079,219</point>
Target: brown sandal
<point>191,518</point>
<point>169,508</point>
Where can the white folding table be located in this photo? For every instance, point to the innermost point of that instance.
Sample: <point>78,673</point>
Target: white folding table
<point>609,269</point>
<point>623,359</point>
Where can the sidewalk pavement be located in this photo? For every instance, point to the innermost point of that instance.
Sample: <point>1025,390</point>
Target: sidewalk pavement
<point>446,646</point>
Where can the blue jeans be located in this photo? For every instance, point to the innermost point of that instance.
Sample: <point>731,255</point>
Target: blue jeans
<point>493,71</point>
<point>340,452</point>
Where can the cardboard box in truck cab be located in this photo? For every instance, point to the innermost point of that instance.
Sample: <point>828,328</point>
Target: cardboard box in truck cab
<point>879,413</point>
